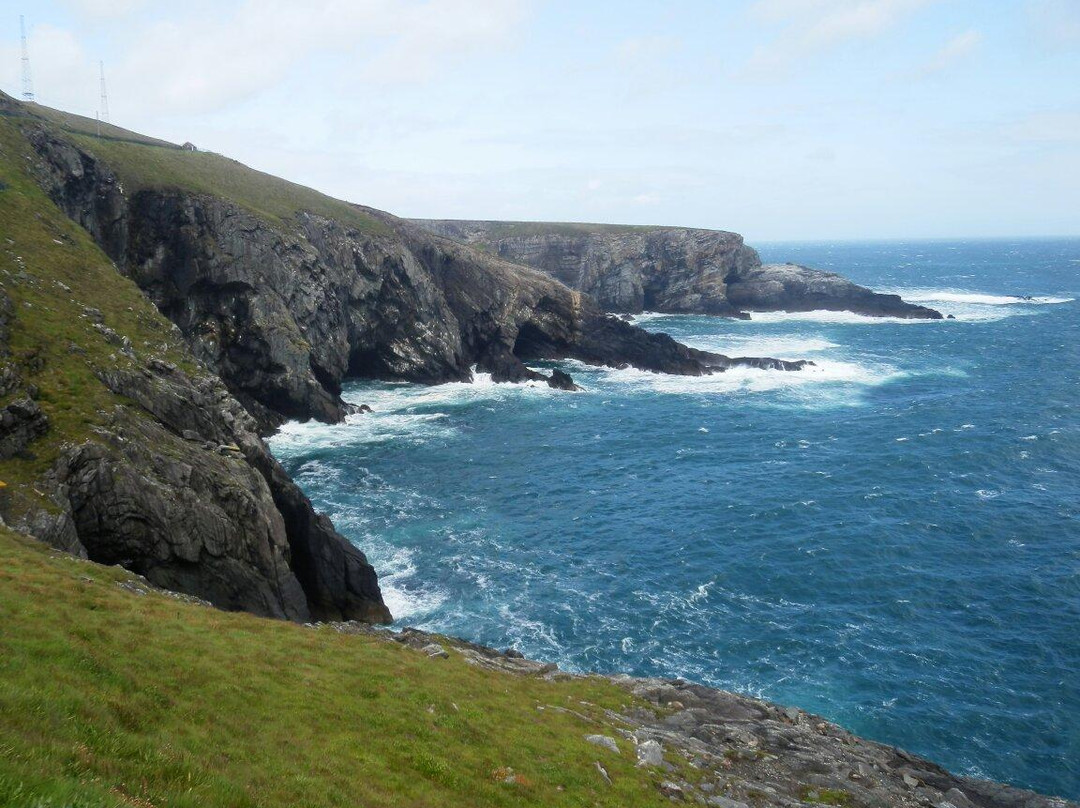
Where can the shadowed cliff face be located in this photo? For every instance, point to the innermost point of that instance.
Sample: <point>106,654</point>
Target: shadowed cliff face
<point>114,444</point>
<point>670,269</point>
<point>176,483</point>
<point>285,312</point>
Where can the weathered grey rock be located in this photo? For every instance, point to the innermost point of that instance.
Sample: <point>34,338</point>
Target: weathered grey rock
<point>284,312</point>
<point>625,269</point>
<point>670,269</point>
<point>21,423</point>
<point>790,287</point>
<point>605,741</point>
<point>650,753</point>
<point>334,578</point>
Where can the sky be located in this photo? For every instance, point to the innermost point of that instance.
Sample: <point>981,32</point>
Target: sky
<point>779,119</point>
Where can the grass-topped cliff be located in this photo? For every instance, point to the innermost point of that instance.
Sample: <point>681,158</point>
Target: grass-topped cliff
<point>68,306</point>
<point>145,162</point>
<point>112,694</point>
<point>117,443</point>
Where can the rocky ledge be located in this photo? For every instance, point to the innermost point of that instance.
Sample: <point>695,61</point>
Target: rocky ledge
<point>670,269</point>
<point>792,287</point>
<point>715,748</point>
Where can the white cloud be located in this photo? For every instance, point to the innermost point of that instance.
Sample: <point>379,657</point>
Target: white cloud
<point>957,49</point>
<point>63,75</point>
<point>1057,22</point>
<point>188,65</point>
<point>811,27</point>
<point>104,9</point>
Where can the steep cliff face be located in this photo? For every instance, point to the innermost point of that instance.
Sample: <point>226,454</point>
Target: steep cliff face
<point>669,269</point>
<point>145,448</point>
<point>625,269</point>
<point>285,310</point>
<point>115,444</point>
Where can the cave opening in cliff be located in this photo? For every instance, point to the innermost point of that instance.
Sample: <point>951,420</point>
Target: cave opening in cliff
<point>533,343</point>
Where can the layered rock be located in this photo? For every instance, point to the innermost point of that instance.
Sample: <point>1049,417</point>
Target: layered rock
<point>625,269</point>
<point>112,452</point>
<point>284,312</point>
<point>791,287</point>
<point>670,269</point>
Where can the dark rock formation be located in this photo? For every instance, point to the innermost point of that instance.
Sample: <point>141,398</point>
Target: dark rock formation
<point>670,269</point>
<point>562,381</point>
<point>190,498</point>
<point>21,422</point>
<point>790,287</point>
<point>285,312</point>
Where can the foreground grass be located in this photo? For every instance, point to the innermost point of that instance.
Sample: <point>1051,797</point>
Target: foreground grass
<point>112,698</point>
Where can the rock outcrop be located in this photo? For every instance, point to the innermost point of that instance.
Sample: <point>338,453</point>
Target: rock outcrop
<point>284,312</point>
<point>116,444</point>
<point>743,751</point>
<point>670,269</point>
<point>791,287</point>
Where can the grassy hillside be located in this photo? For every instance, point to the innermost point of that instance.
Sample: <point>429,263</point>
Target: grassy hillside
<point>55,276</point>
<point>115,695</point>
<point>139,166</point>
<point>145,162</point>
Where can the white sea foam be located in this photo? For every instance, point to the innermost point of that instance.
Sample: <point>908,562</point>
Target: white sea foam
<point>789,347</point>
<point>397,571</point>
<point>827,383</point>
<point>830,317</point>
<point>922,295</point>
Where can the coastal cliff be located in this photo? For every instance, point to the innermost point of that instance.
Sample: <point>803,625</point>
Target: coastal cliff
<point>256,299</point>
<point>284,306</point>
<point>670,269</point>
<point>118,445</point>
<point>159,312</point>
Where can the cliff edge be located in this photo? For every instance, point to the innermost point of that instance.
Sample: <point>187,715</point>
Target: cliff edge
<point>670,269</point>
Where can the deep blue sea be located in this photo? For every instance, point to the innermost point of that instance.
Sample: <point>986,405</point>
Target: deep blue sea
<point>890,539</point>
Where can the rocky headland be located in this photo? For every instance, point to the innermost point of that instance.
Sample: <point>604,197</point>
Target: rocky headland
<point>271,296</point>
<point>670,269</point>
<point>162,310</point>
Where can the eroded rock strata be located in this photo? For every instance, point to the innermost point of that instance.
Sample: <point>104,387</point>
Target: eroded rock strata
<point>276,312</point>
<point>284,313</point>
<point>670,269</point>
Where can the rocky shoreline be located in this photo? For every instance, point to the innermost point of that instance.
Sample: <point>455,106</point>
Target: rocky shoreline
<point>722,749</point>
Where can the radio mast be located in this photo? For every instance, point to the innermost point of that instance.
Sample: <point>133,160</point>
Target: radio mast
<point>104,95</point>
<point>27,78</point>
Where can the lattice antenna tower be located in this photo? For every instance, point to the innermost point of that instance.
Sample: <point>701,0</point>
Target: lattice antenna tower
<point>27,77</point>
<point>104,95</point>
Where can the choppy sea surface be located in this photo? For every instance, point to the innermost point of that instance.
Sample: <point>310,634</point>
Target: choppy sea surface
<point>890,539</point>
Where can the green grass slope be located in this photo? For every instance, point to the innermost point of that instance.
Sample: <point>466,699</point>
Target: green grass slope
<point>143,162</point>
<point>112,694</point>
<point>53,273</point>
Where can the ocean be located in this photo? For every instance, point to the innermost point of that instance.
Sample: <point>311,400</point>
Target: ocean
<point>890,539</point>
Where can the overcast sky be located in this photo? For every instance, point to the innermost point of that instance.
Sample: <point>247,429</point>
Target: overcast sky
<point>780,119</point>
